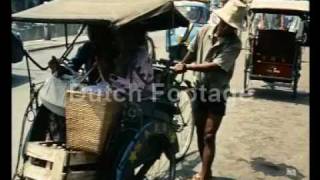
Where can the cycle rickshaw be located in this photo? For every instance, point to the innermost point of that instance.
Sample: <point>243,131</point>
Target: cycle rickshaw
<point>152,15</point>
<point>274,50</point>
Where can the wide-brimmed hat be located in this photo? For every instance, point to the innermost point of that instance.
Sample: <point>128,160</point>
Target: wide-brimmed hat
<point>233,13</point>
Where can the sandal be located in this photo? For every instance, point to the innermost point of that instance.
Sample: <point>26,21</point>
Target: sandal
<point>196,177</point>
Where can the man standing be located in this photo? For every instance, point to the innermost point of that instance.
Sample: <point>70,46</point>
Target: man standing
<point>214,50</point>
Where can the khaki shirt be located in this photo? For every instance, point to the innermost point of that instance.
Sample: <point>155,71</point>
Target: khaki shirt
<point>221,50</point>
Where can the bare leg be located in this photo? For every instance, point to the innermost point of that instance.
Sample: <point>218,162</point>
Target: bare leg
<point>200,120</point>
<point>209,135</point>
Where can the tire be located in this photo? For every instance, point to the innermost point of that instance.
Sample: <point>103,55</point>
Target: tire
<point>146,164</point>
<point>169,156</point>
<point>245,82</point>
<point>246,79</point>
<point>295,86</point>
<point>297,73</point>
<point>185,123</point>
<point>246,69</point>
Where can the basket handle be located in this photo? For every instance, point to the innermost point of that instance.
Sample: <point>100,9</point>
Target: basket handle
<point>90,70</point>
<point>77,95</point>
<point>86,75</point>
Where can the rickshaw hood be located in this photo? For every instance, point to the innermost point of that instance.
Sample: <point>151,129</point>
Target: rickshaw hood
<point>280,6</point>
<point>154,15</point>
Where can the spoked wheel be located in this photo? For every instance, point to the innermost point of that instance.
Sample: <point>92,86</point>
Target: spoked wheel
<point>152,160</point>
<point>245,82</point>
<point>162,168</point>
<point>185,124</point>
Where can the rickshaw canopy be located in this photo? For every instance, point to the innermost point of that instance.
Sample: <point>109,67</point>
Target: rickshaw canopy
<point>151,14</point>
<point>289,7</point>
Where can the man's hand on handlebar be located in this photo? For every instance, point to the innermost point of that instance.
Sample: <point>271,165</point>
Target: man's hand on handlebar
<point>180,68</point>
<point>55,66</point>
<point>175,65</point>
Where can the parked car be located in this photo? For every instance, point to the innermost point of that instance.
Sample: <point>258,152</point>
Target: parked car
<point>178,39</point>
<point>17,51</point>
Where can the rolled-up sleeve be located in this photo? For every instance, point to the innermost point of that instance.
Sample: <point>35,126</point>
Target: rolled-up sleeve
<point>228,56</point>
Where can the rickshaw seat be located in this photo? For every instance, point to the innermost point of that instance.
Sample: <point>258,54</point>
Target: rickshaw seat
<point>279,44</point>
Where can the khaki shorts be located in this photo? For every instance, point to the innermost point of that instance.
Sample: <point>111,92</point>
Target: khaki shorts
<point>200,105</point>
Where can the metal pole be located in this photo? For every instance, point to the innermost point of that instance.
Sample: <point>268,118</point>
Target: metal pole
<point>66,34</point>
<point>46,29</point>
<point>47,32</point>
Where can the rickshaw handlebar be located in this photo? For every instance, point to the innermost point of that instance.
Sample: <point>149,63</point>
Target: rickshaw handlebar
<point>165,64</point>
<point>34,62</point>
<point>167,61</point>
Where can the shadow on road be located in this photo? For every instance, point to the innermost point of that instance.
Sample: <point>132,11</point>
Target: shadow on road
<point>260,164</point>
<point>280,95</point>
<point>221,178</point>
<point>268,168</point>
<point>275,95</point>
<point>18,80</point>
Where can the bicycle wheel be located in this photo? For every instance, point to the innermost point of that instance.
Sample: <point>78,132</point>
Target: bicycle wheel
<point>185,124</point>
<point>151,159</point>
<point>162,168</point>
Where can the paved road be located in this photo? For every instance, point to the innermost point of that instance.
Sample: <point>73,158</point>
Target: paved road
<point>264,136</point>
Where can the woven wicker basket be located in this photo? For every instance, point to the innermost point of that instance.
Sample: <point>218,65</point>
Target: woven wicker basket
<point>89,120</point>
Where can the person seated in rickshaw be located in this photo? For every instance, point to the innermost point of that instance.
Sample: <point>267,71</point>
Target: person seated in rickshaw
<point>121,55</point>
<point>133,70</point>
<point>265,21</point>
<point>101,39</point>
<point>132,77</point>
<point>124,63</point>
<point>101,43</point>
<point>51,126</point>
